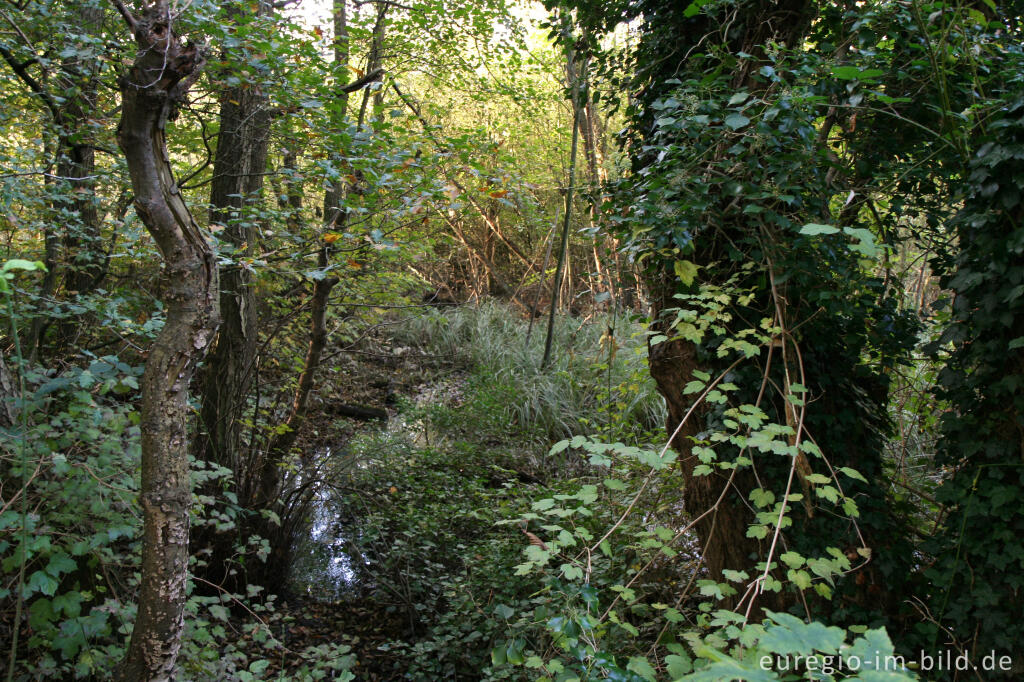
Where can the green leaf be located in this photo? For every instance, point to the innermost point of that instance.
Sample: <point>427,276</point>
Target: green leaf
<point>23,265</point>
<point>219,612</point>
<point>678,665</point>
<point>866,241</point>
<point>256,667</point>
<point>791,635</point>
<point>514,653</point>
<point>850,73</point>
<point>800,578</point>
<point>792,559</point>
<point>736,121</point>
<point>853,473</point>
<point>758,532</point>
<point>641,667</point>
<point>558,447</point>
<point>571,572</point>
<point>813,229</point>
<point>42,582</point>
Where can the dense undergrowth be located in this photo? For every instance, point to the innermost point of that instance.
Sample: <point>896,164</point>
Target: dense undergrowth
<point>511,522</point>
<point>508,558</point>
<point>430,498</point>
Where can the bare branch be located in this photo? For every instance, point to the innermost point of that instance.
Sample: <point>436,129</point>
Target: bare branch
<point>129,18</point>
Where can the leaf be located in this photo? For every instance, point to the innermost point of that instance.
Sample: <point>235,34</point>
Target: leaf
<point>736,121</point>
<point>866,241</point>
<point>331,237</point>
<point>678,665</point>
<point>792,559</point>
<point>219,612</point>
<point>853,473</point>
<point>43,583</point>
<point>791,635</point>
<point>693,9</point>
<point>257,667</point>
<point>571,572</point>
<point>22,264</point>
<point>850,73</point>
<point>642,667</point>
<point>514,653</point>
<point>813,229</point>
<point>686,271</point>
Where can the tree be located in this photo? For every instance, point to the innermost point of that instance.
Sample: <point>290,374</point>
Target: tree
<point>74,251</point>
<point>239,168</point>
<point>976,594</point>
<point>733,185</point>
<point>154,86</point>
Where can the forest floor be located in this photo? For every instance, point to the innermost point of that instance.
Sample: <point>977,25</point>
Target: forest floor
<point>385,378</point>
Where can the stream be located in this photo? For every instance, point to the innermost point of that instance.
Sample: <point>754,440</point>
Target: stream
<point>327,565</point>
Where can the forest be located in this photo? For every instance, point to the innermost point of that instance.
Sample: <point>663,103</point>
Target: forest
<point>561,340</point>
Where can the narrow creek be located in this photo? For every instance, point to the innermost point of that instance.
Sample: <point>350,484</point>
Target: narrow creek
<point>328,564</point>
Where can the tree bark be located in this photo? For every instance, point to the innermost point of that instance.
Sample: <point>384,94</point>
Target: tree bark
<point>162,74</point>
<point>723,533</point>
<point>238,172</point>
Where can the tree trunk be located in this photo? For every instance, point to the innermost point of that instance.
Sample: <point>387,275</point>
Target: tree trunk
<point>238,172</point>
<point>158,80</point>
<point>71,101</point>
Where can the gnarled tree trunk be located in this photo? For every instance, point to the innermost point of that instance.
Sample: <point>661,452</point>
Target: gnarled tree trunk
<point>160,77</point>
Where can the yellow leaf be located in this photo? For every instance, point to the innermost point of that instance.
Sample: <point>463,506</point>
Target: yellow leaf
<point>331,237</point>
<point>686,271</point>
<point>498,193</point>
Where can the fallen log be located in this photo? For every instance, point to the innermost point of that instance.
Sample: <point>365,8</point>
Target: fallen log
<point>361,412</point>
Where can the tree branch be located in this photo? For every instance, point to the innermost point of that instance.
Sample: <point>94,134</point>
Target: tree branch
<point>129,18</point>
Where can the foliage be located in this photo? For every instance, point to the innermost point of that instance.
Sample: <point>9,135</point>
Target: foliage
<point>981,350</point>
<point>821,203</point>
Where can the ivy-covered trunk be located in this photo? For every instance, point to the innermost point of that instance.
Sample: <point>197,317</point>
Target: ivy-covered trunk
<point>978,575</point>
<point>719,500</point>
<point>733,164</point>
<point>158,80</point>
